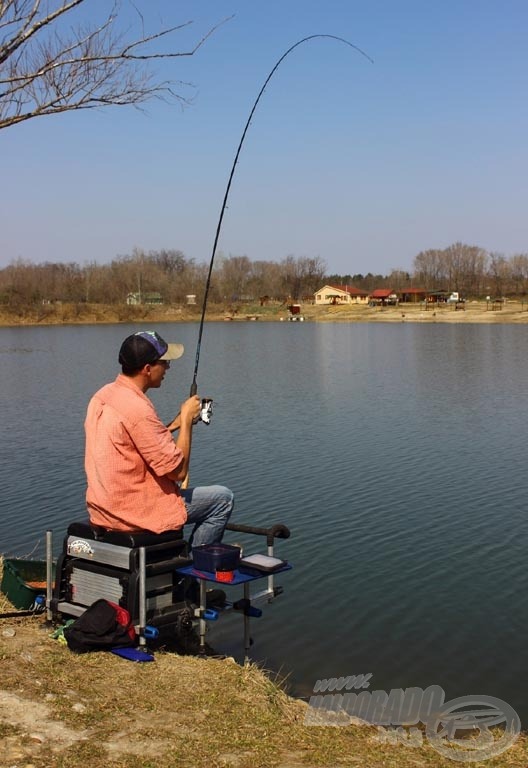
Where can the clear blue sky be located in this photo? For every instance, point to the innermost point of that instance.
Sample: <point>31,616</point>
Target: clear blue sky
<point>361,164</point>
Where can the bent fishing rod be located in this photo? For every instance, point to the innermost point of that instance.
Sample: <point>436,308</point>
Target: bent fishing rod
<point>233,168</point>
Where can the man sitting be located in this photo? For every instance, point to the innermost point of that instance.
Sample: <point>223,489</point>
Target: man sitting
<point>133,464</point>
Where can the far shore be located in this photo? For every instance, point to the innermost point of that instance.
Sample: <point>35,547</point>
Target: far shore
<point>510,311</point>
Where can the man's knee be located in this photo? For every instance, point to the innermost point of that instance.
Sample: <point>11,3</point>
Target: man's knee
<point>230,497</point>
<point>223,496</point>
<point>228,500</point>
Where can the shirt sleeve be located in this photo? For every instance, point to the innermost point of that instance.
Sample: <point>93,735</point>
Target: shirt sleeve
<point>155,444</point>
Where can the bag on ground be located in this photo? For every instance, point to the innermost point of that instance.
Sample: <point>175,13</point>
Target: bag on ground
<point>102,626</point>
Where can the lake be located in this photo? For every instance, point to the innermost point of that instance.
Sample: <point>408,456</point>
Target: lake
<point>395,454</point>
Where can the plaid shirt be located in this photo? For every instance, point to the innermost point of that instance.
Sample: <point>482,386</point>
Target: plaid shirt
<point>128,453</point>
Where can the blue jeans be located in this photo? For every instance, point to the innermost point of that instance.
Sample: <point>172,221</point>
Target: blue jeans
<point>208,509</point>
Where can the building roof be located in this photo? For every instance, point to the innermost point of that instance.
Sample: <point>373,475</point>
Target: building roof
<point>350,289</point>
<point>353,291</point>
<point>381,293</point>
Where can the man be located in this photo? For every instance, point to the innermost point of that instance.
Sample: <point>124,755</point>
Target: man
<point>133,464</point>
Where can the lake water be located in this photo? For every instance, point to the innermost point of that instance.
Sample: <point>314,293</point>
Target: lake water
<point>395,453</point>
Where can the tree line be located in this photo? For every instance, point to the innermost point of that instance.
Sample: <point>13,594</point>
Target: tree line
<point>470,270</point>
<point>168,273</point>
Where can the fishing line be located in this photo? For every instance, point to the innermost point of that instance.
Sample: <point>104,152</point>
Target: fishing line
<point>226,195</point>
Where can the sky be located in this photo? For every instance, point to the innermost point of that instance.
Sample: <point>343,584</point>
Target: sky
<point>361,164</point>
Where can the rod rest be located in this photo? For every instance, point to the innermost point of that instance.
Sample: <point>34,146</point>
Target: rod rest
<point>277,531</point>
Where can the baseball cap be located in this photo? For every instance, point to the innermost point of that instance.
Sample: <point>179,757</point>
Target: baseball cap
<point>147,347</point>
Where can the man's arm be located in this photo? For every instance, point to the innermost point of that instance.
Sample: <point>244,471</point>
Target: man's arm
<point>189,412</point>
<point>175,423</point>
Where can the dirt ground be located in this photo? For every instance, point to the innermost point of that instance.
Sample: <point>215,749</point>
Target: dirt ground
<point>471,312</point>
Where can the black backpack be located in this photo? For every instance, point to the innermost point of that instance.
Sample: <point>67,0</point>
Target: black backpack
<point>104,625</point>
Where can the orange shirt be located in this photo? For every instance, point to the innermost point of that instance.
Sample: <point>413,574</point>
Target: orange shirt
<point>128,453</point>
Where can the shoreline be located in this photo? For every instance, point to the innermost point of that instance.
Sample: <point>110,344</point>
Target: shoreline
<point>65,710</point>
<point>511,312</point>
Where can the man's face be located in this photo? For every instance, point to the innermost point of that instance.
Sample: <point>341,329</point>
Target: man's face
<point>157,372</point>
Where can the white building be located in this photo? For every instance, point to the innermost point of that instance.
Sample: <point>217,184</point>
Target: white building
<point>341,294</point>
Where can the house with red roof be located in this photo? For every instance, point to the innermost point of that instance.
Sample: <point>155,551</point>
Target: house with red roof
<point>382,296</point>
<point>413,295</point>
<point>341,294</point>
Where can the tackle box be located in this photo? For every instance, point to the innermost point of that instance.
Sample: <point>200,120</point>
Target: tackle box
<point>96,563</point>
<point>215,557</point>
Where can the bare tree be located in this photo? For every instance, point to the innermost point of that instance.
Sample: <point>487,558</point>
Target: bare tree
<point>398,280</point>
<point>233,275</point>
<point>429,269</point>
<point>52,61</point>
<point>170,262</point>
<point>313,271</point>
<point>465,266</point>
<point>519,272</point>
<point>266,279</point>
<point>459,267</point>
<point>302,275</point>
<point>500,273</point>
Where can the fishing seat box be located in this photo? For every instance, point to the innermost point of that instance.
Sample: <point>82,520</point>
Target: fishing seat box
<point>97,563</point>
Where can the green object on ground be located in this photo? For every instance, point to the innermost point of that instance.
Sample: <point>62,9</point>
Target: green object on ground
<point>23,581</point>
<point>58,634</point>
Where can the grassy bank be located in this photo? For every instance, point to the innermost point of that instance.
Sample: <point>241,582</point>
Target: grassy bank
<point>62,710</point>
<point>64,314</point>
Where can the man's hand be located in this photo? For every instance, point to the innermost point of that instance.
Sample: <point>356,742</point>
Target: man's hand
<point>190,411</point>
<point>176,423</point>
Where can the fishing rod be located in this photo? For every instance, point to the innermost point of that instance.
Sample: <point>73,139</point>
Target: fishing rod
<point>226,195</point>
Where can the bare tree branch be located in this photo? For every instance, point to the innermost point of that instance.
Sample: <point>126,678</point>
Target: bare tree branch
<point>27,29</point>
<point>49,66</point>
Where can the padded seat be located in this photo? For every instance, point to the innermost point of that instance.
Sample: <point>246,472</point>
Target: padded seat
<point>132,539</point>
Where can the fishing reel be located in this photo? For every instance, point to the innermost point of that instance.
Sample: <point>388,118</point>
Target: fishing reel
<point>206,410</point>
<point>184,623</point>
